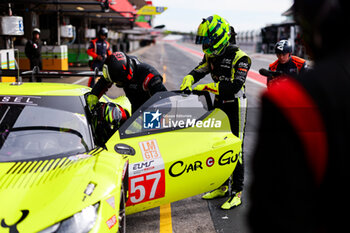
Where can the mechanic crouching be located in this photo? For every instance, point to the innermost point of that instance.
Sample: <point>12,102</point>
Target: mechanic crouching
<point>228,66</point>
<point>139,80</point>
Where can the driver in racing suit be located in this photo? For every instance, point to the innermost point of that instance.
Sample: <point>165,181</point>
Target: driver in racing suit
<point>228,66</point>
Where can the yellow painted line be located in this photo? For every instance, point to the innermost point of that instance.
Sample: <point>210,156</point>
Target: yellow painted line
<point>165,224</point>
<point>164,74</point>
<point>164,78</point>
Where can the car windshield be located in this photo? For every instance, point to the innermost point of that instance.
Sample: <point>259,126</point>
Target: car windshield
<point>163,112</point>
<point>36,127</point>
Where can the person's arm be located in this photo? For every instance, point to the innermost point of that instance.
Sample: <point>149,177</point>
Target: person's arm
<point>304,68</point>
<point>109,52</point>
<point>195,75</point>
<point>156,85</point>
<point>153,82</point>
<point>101,87</point>
<point>201,70</point>
<point>97,91</point>
<point>29,49</point>
<point>91,51</point>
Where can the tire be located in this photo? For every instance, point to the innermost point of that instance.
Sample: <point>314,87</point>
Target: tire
<point>122,216</point>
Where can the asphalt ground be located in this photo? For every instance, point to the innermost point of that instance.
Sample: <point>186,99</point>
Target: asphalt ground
<point>174,61</point>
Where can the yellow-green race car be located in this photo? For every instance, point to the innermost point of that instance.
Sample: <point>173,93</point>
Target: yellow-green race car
<point>56,176</point>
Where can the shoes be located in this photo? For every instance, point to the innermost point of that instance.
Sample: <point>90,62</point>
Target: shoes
<point>220,192</point>
<point>233,201</point>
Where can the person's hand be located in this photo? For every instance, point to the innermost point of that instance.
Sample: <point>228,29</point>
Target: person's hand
<point>92,100</point>
<point>99,57</point>
<point>187,82</point>
<point>211,87</point>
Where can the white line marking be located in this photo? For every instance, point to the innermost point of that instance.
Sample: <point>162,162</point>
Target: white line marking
<point>83,79</point>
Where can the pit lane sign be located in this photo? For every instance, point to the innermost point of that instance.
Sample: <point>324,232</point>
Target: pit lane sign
<point>151,10</point>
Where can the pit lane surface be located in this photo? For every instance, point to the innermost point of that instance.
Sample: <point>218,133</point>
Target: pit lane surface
<point>174,61</point>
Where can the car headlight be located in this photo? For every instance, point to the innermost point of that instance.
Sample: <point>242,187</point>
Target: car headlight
<point>81,222</point>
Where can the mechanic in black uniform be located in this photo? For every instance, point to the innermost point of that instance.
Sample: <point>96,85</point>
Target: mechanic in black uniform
<point>228,66</point>
<point>301,164</point>
<point>33,52</point>
<point>286,63</point>
<point>139,80</point>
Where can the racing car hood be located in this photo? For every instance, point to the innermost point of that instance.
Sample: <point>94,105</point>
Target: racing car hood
<point>48,191</point>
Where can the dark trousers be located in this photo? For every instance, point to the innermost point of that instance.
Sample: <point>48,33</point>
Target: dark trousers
<point>33,63</point>
<point>236,110</point>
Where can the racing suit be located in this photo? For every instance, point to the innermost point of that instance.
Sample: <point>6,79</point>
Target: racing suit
<point>300,163</point>
<point>98,48</point>
<point>146,81</point>
<point>230,71</point>
<point>33,52</point>
<point>293,67</point>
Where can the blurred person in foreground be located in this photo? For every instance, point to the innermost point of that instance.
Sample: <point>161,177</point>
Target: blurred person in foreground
<point>228,66</point>
<point>300,166</point>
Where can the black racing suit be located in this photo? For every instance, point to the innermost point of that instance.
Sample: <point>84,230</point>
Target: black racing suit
<point>146,81</point>
<point>300,183</point>
<point>230,70</point>
<point>33,52</point>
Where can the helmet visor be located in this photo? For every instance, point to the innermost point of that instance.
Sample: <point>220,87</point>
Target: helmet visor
<point>206,42</point>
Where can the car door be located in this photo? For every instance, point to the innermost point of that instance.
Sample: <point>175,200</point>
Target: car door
<point>177,149</point>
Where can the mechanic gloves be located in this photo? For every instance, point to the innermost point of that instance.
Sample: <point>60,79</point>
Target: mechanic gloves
<point>187,82</point>
<point>211,87</point>
<point>92,100</point>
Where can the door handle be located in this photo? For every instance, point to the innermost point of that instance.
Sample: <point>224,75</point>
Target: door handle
<point>220,143</point>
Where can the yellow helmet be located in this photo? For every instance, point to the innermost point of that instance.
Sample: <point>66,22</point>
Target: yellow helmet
<point>214,35</point>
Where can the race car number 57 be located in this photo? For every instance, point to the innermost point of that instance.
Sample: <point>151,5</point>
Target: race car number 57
<point>146,187</point>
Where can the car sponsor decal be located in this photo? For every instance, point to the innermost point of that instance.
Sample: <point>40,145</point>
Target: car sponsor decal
<point>146,187</point>
<point>227,158</point>
<point>111,222</point>
<point>22,100</point>
<point>147,178</point>
<point>180,167</point>
<point>150,150</point>
<point>210,162</point>
<point>13,227</point>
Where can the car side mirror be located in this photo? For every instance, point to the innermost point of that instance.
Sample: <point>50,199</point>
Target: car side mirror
<point>124,149</point>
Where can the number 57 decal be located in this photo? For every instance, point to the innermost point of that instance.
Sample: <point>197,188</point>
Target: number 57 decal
<point>146,187</point>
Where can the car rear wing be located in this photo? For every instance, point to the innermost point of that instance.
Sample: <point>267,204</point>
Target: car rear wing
<point>36,72</point>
